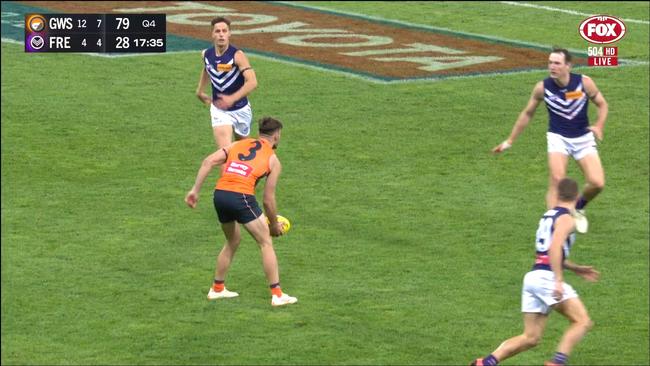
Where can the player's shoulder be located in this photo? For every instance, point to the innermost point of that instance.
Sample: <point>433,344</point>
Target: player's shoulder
<point>538,89</point>
<point>586,78</point>
<point>274,162</point>
<point>563,219</point>
<point>589,85</point>
<point>239,53</point>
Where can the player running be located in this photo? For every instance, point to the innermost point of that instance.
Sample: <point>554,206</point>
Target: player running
<point>232,79</point>
<point>246,162</point>
<point>567,97</point>
<point>544,288</point>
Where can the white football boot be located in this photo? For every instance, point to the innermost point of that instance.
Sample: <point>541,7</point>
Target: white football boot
<point>582,225</point>
<point>283,300</point>
<point>214,295</point>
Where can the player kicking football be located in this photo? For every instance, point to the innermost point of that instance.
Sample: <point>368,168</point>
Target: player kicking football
<point>544,288</point>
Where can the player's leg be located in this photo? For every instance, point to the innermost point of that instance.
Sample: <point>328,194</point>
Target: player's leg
<point>574,310</point>
<point>233,238</point>
<point>594,173</point>
<point>259,229</point>
<point>534,324</point>
<point>242,121</point>
<point>224,204</point>
<point>535,308</point>
<point>224,259</point>
<point>557,165</point>
<point>222,124</point>
<point>222,135</point>
<point>260,232</point>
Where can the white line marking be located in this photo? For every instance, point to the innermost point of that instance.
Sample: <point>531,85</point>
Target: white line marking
<point>253,54</point>
<point>9,40</point>
<point>369,78</point>
<point>416,25</point>
<point>566,11</point>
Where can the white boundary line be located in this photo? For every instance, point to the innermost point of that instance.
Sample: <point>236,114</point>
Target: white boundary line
<point>566,11</point>
<point>343,72</point>
<point>9,40</point>
<point>416,25</point>
<point>538,46</point>
<point>380,19</point>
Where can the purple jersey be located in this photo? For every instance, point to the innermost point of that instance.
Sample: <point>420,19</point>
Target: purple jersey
<point>567,107</point>
<point>545,235</point>
<point>225,76</point>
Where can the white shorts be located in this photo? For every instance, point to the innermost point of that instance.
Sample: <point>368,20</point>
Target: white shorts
<point>240,119</point>
<point>537,293</point>
<point>578,147</point>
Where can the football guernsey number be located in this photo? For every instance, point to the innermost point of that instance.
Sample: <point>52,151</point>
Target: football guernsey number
<point>543,236</point>
<point>252,152</point>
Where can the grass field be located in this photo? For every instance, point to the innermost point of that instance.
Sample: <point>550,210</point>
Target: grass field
<point>409,240</point>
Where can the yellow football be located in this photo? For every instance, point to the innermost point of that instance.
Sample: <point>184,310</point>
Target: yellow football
<point>286,224</point>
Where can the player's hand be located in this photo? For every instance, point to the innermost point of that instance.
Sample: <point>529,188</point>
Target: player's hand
<point>501,147</point>
<point>587,272</point>
<point>204,98</point>
<point>558,291</point>
<point>191,199</point>
<point>224,102</point>
<point>598,132</point>
<point>276,230</point>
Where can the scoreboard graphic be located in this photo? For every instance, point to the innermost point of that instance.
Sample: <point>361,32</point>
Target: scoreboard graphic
<point>101,33</point>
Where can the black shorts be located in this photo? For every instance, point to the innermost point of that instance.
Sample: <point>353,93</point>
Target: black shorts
<point>233,206</point>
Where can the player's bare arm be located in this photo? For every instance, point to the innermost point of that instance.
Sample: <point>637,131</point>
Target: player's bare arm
<point>203,81</point>
<point>524,118</point>
<point>270,208</point>
<point>216,158</point>
<point>599,101</point>
<point>250,82</point>
<point>588,273</point>
<point>564,225</point>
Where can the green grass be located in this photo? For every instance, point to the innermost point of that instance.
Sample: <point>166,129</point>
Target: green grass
<point>512,22</point>
<point>409,240</point>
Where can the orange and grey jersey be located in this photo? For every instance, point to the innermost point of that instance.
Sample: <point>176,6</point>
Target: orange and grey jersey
<point>247,162</point>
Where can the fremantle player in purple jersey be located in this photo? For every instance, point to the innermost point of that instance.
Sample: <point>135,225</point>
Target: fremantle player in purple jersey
<point>544,288</point>
<point>567,97</point>
<point>232,79</point>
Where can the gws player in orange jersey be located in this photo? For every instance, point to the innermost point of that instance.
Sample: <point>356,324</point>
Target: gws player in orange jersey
<point>245,163</point>
<point>544,288</point>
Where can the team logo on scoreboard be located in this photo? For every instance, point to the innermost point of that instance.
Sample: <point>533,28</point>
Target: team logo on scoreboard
<point>36,23</point>
<point>602,29</point>
<point>37,42</point>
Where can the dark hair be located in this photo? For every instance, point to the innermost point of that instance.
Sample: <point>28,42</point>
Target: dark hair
<point>567,190</point>
<point>220,20</point>
<point>565,52</point>
<point>268,125</point>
